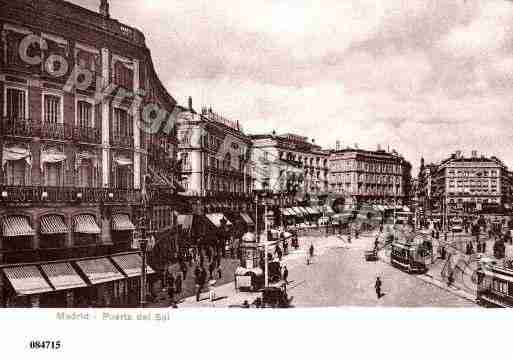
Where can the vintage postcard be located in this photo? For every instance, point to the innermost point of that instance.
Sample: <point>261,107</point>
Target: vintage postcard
<point>161,157</point>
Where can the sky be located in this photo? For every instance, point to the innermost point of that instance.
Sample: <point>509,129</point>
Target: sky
<point>424,77</point>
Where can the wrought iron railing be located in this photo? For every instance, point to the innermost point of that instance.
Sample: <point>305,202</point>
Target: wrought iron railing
<point>121,140</point>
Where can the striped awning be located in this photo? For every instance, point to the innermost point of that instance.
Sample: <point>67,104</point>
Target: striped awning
<point>303,209</point>
<point>16,226</point>
<point>297,211</point>
<point>247,218</point>
<point>63,276</point>
<point>131,264</point>
<point>27,280</point>
<point>121,222</point>
<point>328,210</point>
<point>99,270</point>
<point>185,220</point>
<point>216,218</point>
<point>53,225</point>
<point>85,223</point>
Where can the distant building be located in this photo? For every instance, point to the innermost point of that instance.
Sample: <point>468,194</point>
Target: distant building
<point>214,154</point>
<point>471,183</point>
<point>290,159</point>
<point>369,177</point>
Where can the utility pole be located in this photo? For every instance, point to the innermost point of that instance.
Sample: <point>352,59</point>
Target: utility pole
<point>266,259</point>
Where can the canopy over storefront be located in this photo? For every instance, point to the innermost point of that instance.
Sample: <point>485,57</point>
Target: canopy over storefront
<point>16,153</point>
<point>86,224</point>
<point>121,222</point>
<point>27,280</point>
<point>62,276</point>
<point>216,219</point>
<point>53,224</point>
<point>99,270</point>
<point>131,264</point>
<point>16,226</point>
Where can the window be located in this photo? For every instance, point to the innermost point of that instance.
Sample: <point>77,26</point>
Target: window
<point>124,177</point>
<point>16,174</point>
<point>84,114</point>
<point>122,123</point>
<point>16,103</point>
<point>52,109</point>
<point>53,174</point>
<point>86,174</point>
<point>123,76</point>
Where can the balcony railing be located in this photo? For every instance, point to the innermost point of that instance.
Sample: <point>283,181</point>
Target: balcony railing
<point>120,140</point>
<point>54,131</point>
<point>38,194</point>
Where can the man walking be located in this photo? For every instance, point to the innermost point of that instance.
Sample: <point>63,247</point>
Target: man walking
<point>285,274</point>
<point>377,286</point>
<point>171,287</point>
<point>178,284</point>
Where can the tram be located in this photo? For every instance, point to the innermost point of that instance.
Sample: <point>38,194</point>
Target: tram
<point>409,257</point>
<point>495,287</point>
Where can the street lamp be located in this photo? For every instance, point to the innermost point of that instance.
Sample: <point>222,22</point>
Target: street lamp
<point>143,245</point>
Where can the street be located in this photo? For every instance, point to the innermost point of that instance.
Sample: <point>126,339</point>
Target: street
<point>340,276</point>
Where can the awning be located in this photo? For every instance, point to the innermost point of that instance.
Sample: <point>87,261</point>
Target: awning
<point>247,218</point>
<point>51,155</point>
<point>85,223</point>
<point>131,264</point>
<point>27,280</point>
<point>121,222</point>
<point>285,211</point>
<point>297,211</point>
<point>312,210</point>
<point>53,224</point>
<point>123,161</point>
<point>16,154</point>
<point>62,276</point>
<point>216,218</point>
<point>99,270</point>
<point>16,226</point>
<point>303,209</point>
<point>185,220</point>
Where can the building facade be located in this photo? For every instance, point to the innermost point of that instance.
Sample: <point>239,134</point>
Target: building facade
<point>470,184</point>
<point>214,154</point>
<point>369,177</point>
<point>284,160</point>
<point>76,162</point>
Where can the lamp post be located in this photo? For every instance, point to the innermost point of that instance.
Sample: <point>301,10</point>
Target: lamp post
<point>143,245</point>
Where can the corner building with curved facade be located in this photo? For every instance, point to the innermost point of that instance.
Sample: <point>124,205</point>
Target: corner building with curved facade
<point>74,168</point>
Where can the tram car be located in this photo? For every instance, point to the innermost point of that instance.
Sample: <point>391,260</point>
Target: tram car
<point>409,257</point>
<point>495,287</point>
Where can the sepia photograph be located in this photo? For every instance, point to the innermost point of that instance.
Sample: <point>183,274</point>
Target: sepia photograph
<point>264,156</point>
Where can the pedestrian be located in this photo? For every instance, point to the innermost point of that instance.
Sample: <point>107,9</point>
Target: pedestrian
<point>183,268</point>
<point>178,284</point>
<point>311,250</point>
<point>197,273</point>
<point>285,274</point>
<point>285,247</point>
<point>171,287</point>
<point>200,282</point>
<point>377,286</point>
<point>212,289</point>
<point>211,268</point>
<point>219,273</point>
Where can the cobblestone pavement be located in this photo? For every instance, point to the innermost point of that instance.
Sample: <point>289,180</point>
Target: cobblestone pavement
<point>340,276</point>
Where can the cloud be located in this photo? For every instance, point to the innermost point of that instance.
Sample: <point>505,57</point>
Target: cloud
<point>425,77</point>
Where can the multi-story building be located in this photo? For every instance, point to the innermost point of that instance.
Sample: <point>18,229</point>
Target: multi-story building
<point>471,183</point>
<point>75,158</point>
<point>279,160</point>
<point>214,153</point>
<point>369,177</point>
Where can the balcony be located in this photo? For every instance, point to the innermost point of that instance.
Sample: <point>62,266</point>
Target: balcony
<point>120,140</point>
<point>54,131</point>
<point>18,127</point>
<point>41,194</point>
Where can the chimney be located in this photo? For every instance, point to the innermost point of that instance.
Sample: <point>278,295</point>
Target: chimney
<point>474,154</point>
<point>190,103</point>
<point>337,146</point>
<point>458,154</point>
<point>313,140</point>
<point>356,145</point>
<point>379,147</point>
<point>104,8</point>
